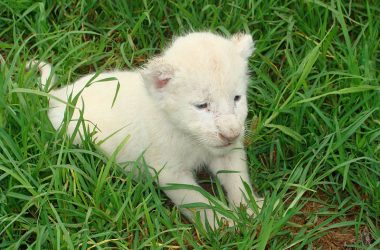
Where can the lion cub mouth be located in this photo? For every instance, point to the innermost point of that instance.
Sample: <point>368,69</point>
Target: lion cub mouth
<point>225,145</point>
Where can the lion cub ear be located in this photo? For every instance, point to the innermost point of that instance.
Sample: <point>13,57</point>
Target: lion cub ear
<point>244,44</point>
<point>157,74</point>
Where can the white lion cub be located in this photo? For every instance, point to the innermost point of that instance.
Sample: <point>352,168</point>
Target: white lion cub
<point>184,109</point>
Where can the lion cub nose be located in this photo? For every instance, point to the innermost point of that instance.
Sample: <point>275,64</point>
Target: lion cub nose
<point>230,137</point>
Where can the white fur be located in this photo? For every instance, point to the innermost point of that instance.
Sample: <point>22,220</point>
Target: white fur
<point>45,69</point>
<point>156,106</point>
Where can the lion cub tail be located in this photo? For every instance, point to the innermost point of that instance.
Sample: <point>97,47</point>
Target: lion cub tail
<point>45,70</point>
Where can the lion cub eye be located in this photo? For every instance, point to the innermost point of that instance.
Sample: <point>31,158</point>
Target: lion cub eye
<point>201,106</point>
<point>237,98</point>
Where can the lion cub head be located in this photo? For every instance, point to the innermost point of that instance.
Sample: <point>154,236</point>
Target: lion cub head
<point>200,84</point>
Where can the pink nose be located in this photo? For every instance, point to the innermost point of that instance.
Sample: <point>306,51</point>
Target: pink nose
<point>229,137</point>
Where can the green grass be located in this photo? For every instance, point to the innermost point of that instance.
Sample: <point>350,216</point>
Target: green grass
<point>314,124</point>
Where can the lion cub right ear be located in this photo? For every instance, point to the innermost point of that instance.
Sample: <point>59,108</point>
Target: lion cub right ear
<point>244,44</point>
<point>157,74</point>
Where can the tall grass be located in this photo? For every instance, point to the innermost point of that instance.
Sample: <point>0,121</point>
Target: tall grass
<point>313,137</point>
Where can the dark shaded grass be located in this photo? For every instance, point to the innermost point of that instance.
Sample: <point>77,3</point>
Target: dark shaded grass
<point>313,126</point>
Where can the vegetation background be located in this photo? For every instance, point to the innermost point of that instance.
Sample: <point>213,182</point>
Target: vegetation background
<point>313,128</point>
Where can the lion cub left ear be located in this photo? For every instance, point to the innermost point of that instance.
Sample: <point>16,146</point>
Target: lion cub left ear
<point>244,44</point>
<point>157,74</point>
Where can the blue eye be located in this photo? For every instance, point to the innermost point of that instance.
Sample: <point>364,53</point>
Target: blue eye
<point>237,98</point>
<point>201,106</point>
